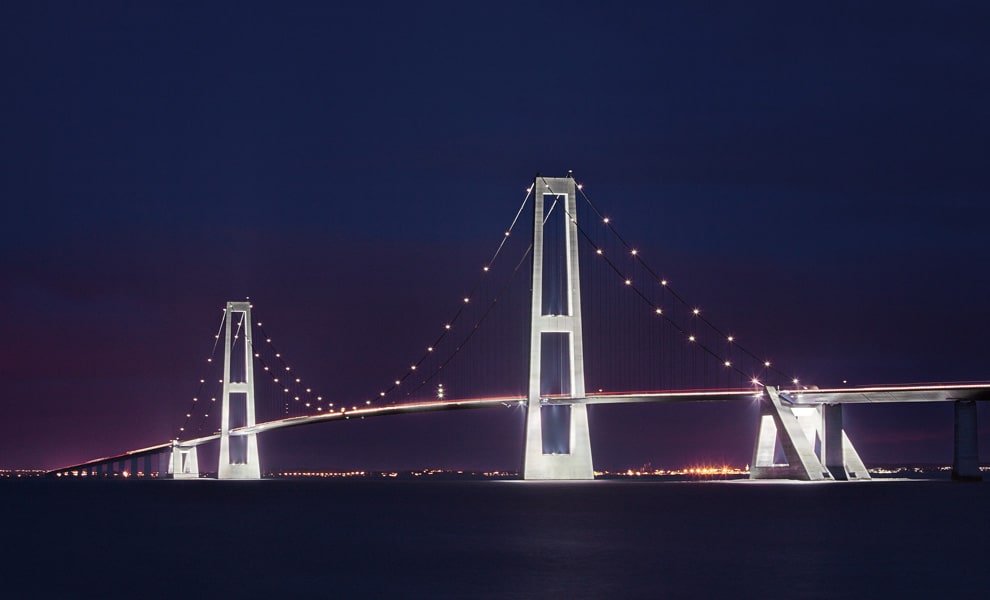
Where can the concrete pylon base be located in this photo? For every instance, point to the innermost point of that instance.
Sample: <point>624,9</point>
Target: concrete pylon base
<point>247,470</point>
<point>576,465</point>
<point>239,472</point>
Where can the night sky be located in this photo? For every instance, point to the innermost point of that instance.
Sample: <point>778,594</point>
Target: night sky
<point>814,176</point>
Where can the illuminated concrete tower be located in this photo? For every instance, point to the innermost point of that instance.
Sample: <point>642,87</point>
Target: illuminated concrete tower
<point>558,443</point>
<point>238,454</point>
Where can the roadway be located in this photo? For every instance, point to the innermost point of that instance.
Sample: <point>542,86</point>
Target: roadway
<point>910,393</point>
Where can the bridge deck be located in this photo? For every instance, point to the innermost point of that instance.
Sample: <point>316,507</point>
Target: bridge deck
<point>811,397</point>
<point>890,394</point>
<point>858,395</point>
<point>125,455</point>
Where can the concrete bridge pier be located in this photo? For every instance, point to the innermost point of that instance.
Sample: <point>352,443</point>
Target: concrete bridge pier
<point>965,455</point>
<point>781,423</point>
<point>184,463</point>
<point>798,428</point>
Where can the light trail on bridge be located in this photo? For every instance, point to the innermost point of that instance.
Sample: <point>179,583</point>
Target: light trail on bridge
<point>910,393</point>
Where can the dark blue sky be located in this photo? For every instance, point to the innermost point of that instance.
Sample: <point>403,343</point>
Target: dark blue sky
<point>814,176</point>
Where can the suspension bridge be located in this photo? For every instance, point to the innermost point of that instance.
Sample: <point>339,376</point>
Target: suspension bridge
<point>602,326</point>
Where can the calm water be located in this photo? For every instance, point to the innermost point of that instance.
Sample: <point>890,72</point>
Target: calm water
<point>495,539</point>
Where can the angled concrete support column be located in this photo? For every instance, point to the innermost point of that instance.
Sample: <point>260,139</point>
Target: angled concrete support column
<point>184,463</point>
<point>823,423</point>
<point>245,465</point>
<point>541,462</point>
<point>832,451</point>
<point>965,454</point>
<point>779,422</point>
<point>838,453</point>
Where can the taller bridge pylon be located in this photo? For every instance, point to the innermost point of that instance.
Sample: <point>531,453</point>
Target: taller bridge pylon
<point>238,454</point>
<point>558,442</point>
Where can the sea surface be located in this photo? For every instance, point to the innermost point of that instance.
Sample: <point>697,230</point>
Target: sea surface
<point>493,539</point>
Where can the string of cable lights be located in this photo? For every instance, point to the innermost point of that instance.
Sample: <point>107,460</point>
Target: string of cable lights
<point>436,372</point>
<point>287,381</point>
<point>203,378</point>
<point>638,256</point>
<point>218,382</point>
<point>290,383</point>
<point>689,337</point>
<point>449,324</point>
